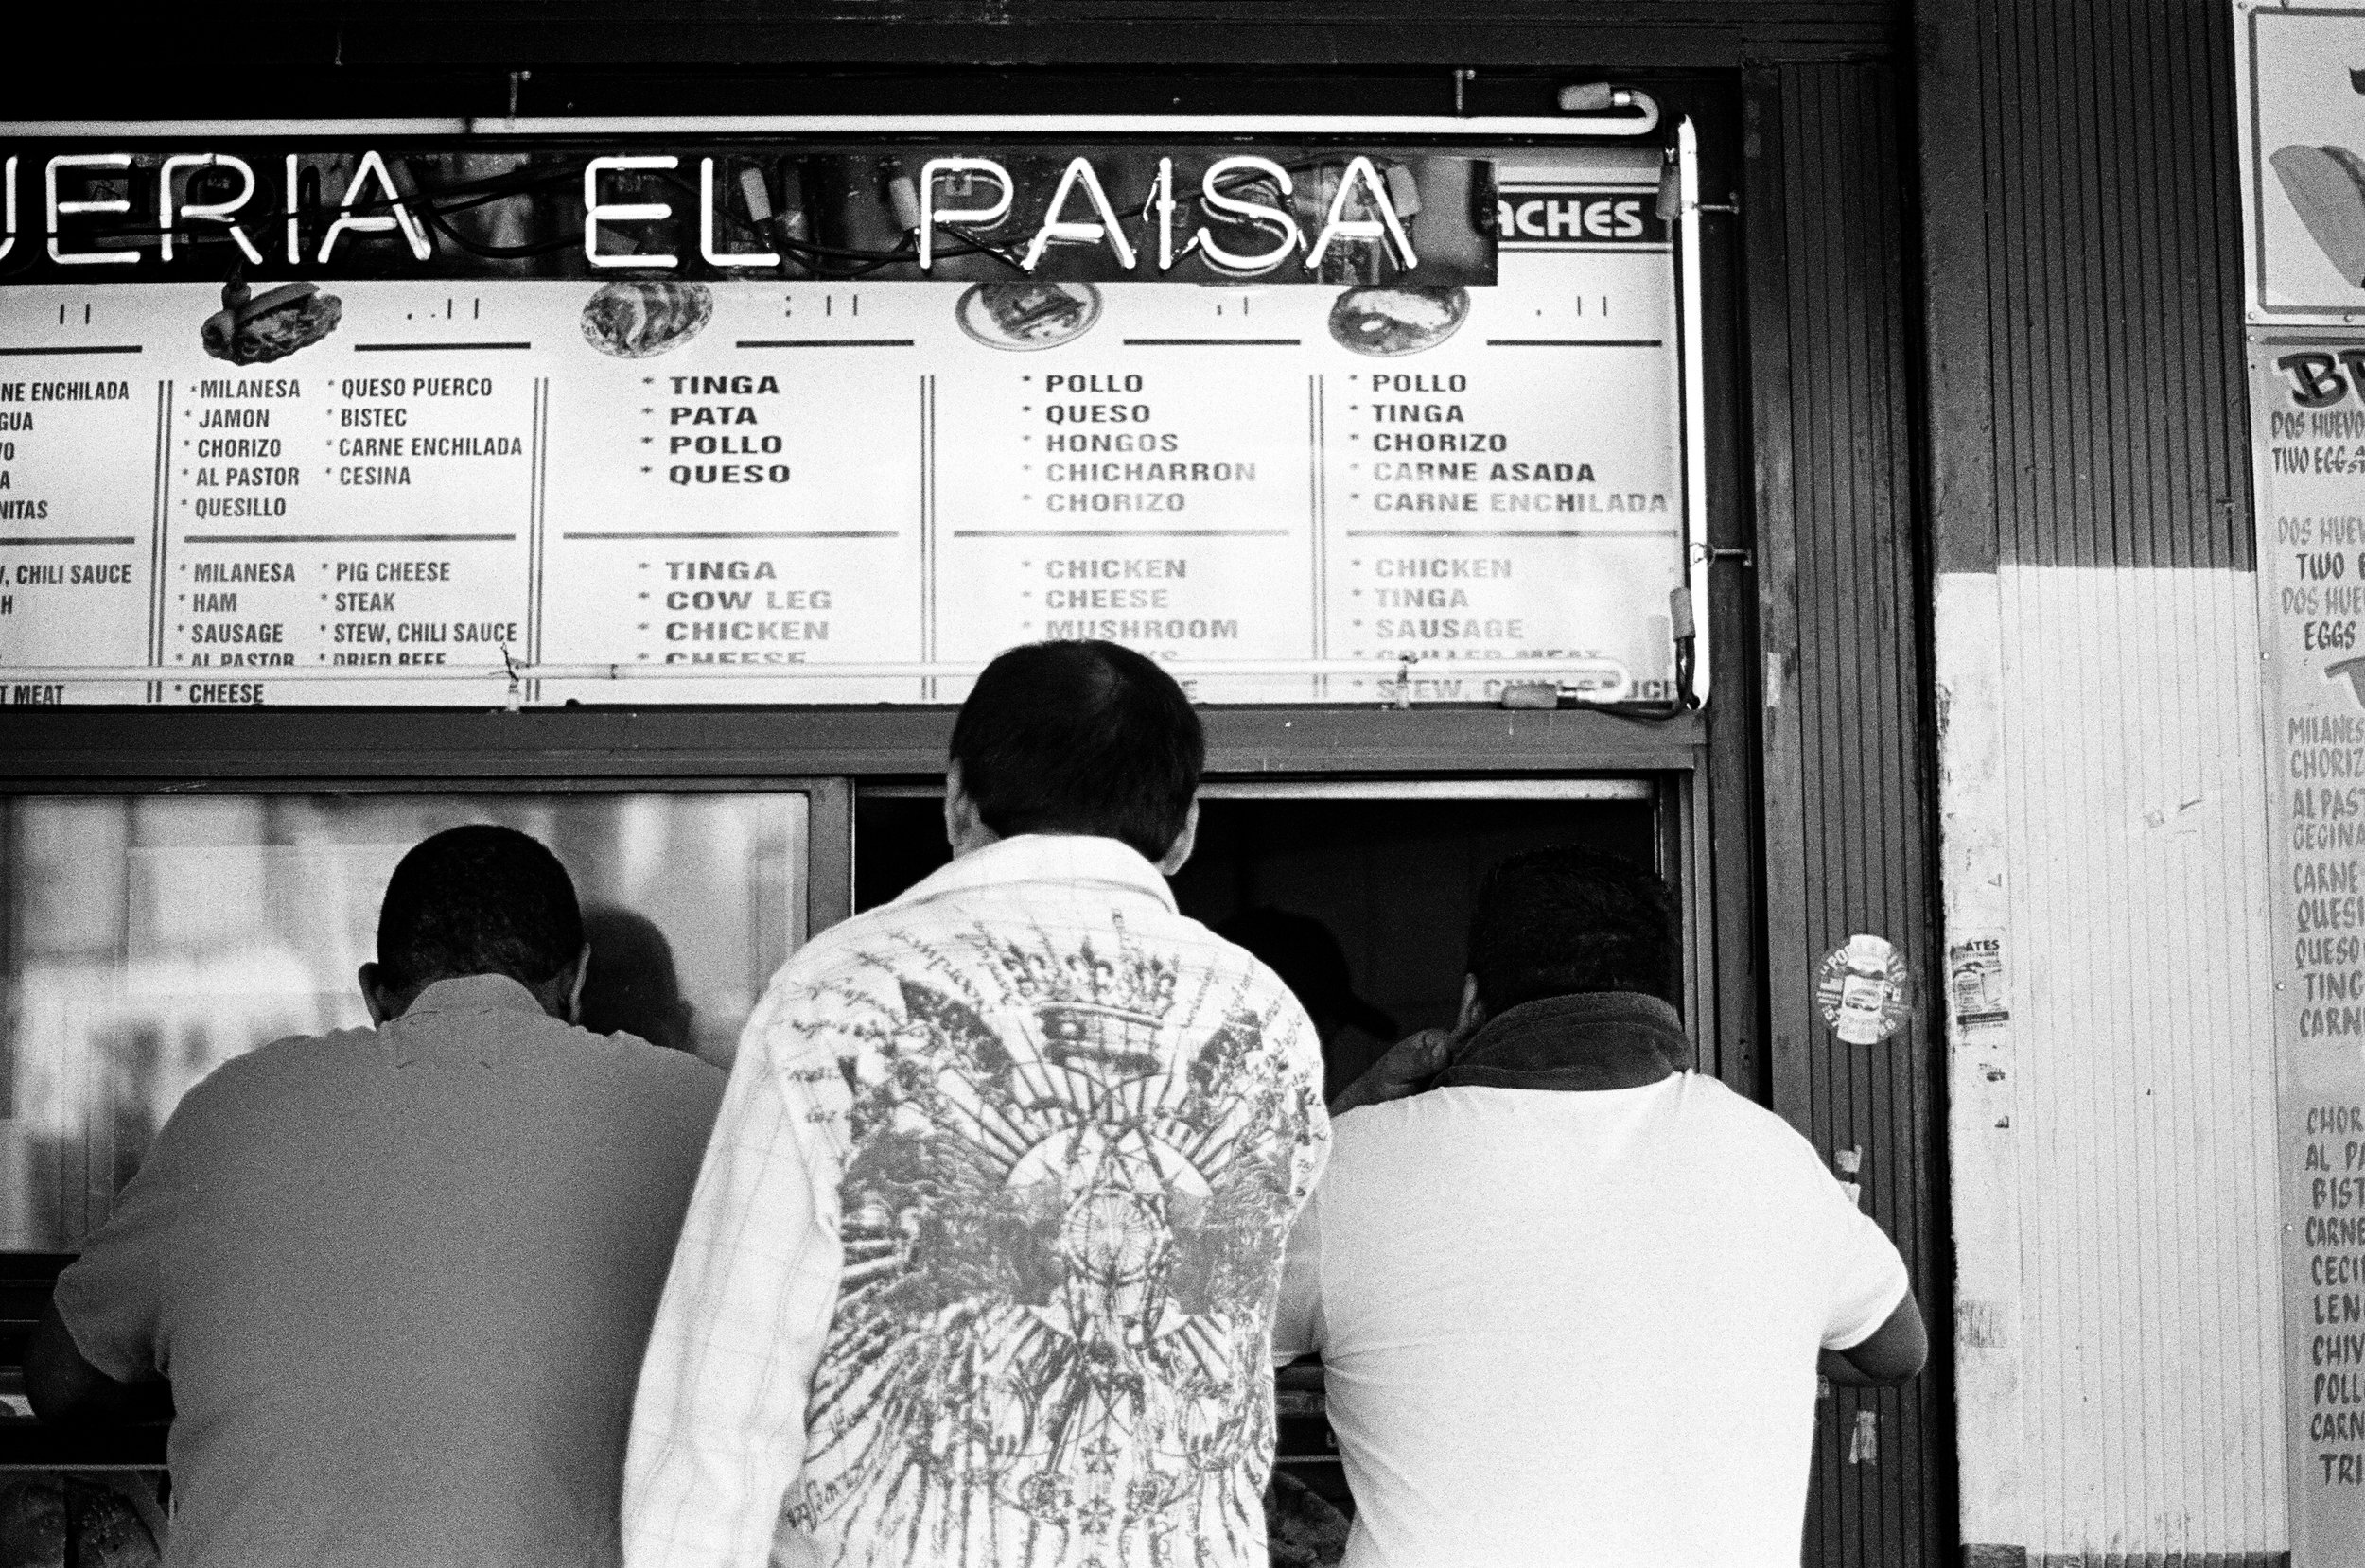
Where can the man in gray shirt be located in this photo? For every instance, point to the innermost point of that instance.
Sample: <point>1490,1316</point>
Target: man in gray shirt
<point>400,1280</point>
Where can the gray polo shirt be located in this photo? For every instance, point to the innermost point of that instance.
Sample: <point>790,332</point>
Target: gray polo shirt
<point>401,1280</point>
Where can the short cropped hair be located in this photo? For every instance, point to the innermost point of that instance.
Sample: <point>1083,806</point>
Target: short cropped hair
<point>473,901</point>
<point>1564,920</point>
<point>633,987</point>
<point>1080,738</point>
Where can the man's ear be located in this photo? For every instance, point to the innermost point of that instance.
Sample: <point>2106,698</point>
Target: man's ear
<point>1473,1010</point>
<point>965,831</point>
<point>1179,851</point>
<point>367,976</point>
<point>574,991</point>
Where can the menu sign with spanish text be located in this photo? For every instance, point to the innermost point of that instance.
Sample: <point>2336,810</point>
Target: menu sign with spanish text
<point>2307,403</point>
<point>624,483</point>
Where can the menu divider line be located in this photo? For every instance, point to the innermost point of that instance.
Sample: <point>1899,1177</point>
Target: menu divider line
<point>537,514</point>
<point>1513,532</point>
<point>69,539</point>
<point>349,539</point>
<point>1318,525</point>
<point>92,348</point>
<point>928,531</point>
<point>1213,342</point>
<point>432,348</point>
<point>823,343</point>
<point>1120,533</point>
<point>766,533</point>
<point>158,545</point>
<point>1575,342</point>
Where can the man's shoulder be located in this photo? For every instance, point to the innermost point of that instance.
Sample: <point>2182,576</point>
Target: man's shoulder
<point>260,1097</point>
<point>1705,1105</point>
<point>1714,1102</point>
<point>906,937</point>
<point>289,1065</point>
<point>676,1074</point>
<point>975,950</point>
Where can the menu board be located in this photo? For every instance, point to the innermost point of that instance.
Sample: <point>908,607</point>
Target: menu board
<point>468,492</point>
<point>2308,412</point>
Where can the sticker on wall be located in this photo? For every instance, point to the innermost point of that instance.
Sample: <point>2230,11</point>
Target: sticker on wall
<point>1865,990</point>
<point>1974,975</point>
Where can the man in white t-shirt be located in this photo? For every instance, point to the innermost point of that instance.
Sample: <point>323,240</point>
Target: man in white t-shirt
<point>1571,1300</point>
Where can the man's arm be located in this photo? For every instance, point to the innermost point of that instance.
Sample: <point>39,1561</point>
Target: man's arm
<point>718,1428</point>
<point>97,1353</point>
<point>66,1390</point>
<point>1895,1353</point>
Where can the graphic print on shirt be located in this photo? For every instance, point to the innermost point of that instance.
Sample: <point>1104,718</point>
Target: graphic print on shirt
<point>1070,1175</point>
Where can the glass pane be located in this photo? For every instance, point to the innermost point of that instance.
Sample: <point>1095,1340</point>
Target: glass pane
<point>145,940</point>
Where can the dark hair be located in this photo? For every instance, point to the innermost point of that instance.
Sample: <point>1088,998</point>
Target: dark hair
<point>1080,738</point>
<point>477,901</point>
<point>633,987</point>
<point>1564,921</point>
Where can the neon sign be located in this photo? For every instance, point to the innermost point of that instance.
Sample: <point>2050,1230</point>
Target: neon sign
<point>1227,214</point>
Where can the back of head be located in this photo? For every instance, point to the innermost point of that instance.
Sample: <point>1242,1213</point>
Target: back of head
<point>632,987</point>
<point>477,901</point>
<point>1564,921</point>
<point>1080,738</point>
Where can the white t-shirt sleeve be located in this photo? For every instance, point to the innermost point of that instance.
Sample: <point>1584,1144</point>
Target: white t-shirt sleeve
<point>1297,1322</point>
<point>1869,1281</point>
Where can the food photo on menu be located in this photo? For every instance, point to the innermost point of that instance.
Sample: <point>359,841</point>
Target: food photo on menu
<point>641,318</point>
<point>1029,315</point>
<point>255,329</point>
<point>1397,318</point>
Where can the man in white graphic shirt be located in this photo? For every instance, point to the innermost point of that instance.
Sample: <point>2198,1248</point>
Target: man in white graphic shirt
<point>982,1265</point>
<point>1571,1296</point>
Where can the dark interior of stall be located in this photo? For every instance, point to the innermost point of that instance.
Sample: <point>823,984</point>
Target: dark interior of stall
<point>1361,904</point>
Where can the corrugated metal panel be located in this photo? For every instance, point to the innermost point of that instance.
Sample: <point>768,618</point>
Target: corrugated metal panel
<point>1847,829</point>
<point>2106,167</point>
<point>2088,434</point>
<point>2135,781</point>
<point>1610,33</point>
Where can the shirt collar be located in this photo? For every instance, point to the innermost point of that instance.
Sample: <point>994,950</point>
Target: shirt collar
<point>476,993</point>
<point>419,1028</point>
<point>1597,1041</point>
<point>1068,860</point>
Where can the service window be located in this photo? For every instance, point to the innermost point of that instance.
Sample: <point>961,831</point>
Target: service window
<point>1358,892</point>
<point>145,940</point>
